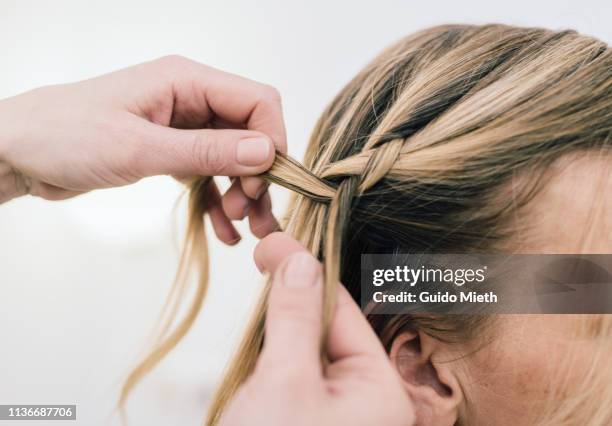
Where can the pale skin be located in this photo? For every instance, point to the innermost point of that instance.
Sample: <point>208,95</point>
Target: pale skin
<point>571,215</point>
<point>506,382</point>
<point>169,116</point>
<point>174,116</point>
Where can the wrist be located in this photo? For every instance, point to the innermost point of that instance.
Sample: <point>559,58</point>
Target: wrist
<point>10,122</point>
<point>12,183</point>
<point>5,132</point>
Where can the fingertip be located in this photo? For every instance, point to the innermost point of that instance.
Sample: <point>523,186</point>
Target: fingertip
<point>235,203</point>
<point>221,224</point>
<point>234,240</point>
<point>224,230</point>
<point>272,249</point>
<point>298,269</point>
<point>255,153</point>
<point>259,263</point>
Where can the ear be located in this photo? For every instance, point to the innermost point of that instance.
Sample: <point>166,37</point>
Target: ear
<point>433,387</point>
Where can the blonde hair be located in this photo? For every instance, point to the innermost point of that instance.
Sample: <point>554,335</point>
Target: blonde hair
<point>410,156</point>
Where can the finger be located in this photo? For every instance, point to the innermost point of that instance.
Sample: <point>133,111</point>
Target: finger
<point>200,89</point>
<point>273,249</point>
<point>350,333</point>
<point>253,187</point>
<point>235,204</point>
<point>207,152</point>
<point>261,220</point>
<point>222,225</point>
<point>293,318</point>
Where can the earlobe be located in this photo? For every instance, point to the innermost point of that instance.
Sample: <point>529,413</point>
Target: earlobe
<point>432,385</point>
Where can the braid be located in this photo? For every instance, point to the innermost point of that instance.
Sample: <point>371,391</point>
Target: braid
<point>338,215</point>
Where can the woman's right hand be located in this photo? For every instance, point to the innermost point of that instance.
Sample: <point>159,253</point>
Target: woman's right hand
<point>169,116</point>
<point>289,384</point>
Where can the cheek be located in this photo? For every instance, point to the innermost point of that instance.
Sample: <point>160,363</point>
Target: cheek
<point>515,376</point>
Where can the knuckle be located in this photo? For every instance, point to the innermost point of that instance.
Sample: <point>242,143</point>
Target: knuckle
<point>208,155</point>
<point>271,93</point>
<point>173,61</point>
<point>172,68</point>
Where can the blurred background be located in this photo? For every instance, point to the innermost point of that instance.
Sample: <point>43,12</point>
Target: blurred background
<point>82,281</point>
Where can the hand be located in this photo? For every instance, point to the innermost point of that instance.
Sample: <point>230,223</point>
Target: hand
<point>289,386</point>
<point>169,116</point>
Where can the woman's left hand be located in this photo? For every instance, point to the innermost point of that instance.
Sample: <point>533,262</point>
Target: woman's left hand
<point>289,385</point>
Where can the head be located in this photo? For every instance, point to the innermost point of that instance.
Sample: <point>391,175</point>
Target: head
<point>464,139</point>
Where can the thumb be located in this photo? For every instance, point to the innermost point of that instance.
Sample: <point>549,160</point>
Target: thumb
<point>207,152</point>
<point>293,321</point>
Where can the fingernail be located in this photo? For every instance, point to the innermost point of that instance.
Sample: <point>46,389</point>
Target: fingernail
<point>301,270</point>
<point>235,239</point>
<point>246,209</point>
<point>261,191</point>
<point>252,151</point>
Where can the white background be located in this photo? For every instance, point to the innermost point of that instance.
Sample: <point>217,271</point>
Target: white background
<point>82,281</point>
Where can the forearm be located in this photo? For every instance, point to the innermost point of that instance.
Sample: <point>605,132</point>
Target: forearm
<point>4,129</point>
